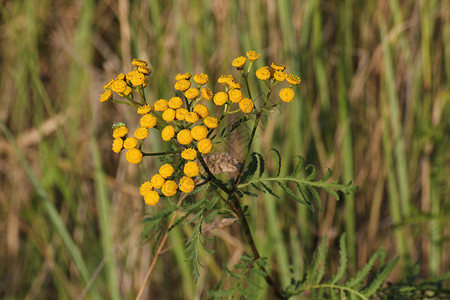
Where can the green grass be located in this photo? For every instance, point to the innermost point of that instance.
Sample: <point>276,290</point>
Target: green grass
<point>373,106</point>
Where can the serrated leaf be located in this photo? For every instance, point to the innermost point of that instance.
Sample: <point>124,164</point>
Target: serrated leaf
<point>380,278</point>
<point>342,259</point>
<point>362,274</point>
<point>313,173</point>
<point>269,190</point>
<point>279,160</point>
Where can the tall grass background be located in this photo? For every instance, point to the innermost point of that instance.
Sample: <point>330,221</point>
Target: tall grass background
<point>373,106</point>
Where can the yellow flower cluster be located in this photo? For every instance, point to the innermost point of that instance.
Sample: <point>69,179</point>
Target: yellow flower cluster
<point>184,120</point>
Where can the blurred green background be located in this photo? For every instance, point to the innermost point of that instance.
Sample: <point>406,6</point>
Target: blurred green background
<point>373,106</point>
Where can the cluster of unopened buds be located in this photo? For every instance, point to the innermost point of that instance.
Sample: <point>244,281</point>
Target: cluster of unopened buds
<point>184,120</point>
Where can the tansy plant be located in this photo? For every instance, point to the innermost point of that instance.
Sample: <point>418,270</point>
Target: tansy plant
<point>190,183</point>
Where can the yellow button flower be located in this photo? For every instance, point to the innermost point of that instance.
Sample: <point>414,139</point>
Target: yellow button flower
<point>252,55</point>
<point>144,109</point>
<point>134,156</point>
<point>199,132</point>
<point>145,188</point>
<point>239,62</point>
<point>144,70</point>
<point>168,132</point>
<point>211,122</point>
<point>139,63</point>
<point>192,93</point>
<point>181,114</point>
<point>287,95</point>
<point>225,78</point>
<point>151,198</point>
<point>137,79</point>
<point>263,73</point>
<point>234,85</point>
<point>161,105</point>
<point>141,133</point>
<point>246,105</point>
<point>191,169</point>
<point>169,115</point>
<point>277,67</point>
<point>201,78</point>
<point>191,117</point>
<point>186,184</point>
<point>127,91</point>
<point>293,80</point>
<point>182,85</point>
<point>279,76</point>
<point>169,188</point>
<point>108,85</point>
<point>220,98</point>
<point>157,181</point>
<point>119,86</point>
<point>117,145</point>
<point>148,121</point>
<point>106,96</point>
<point>182,76</point>
<point>201,110</point>
<point>120,131</point>
<point>175,102</point>
<point>189,154</point>
<point>204,146</point>
<point>235,95</point>
<point>206,94</point>
<point>121,76</point>
<point>166,170</point>
<point>130,142</point>
<point>184,137</point>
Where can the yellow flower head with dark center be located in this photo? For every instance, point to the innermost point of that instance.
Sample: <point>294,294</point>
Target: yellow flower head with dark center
<point>201,78</point>
<point>225,79</point>
<point>181,114</point>
<point>120,131</point>
<point>234,85</point>
<point>235,95</point>
<point>119,86</point>
<point>220,98</point>
<point>157,181</point>
<point>169,115</point>
<point>263,73</point>
<point>206,94</point>
<point>199,132</point>
<point>182,85</point>
<point>169,188</point>
<point>204,146</point>
<point>252,55</point>
<point>139,63</point>
<point>277,67</point>
<point>287,95</point>
<point>130,142</point>
<point>131,74</point>
<point>279,76</point>
<point>211,122</point>
<point>293,80</point>
<point>186,184</point>
<point>184,137</point>
<point>106,96</point>
<point>246,105</point>
<point>151,198</point>
<point>239,62</point>
<point>144,70</point>
<point>145,188</point>
<point>175,102</point>
<point>168,132</point>
<point>192,93</point>
<point>141,133</point>
<point>201,110</point>
<point>134,156</point>
<point>191,169</point>
<point>166,170</point>
<point>144,109</point>
<point>184,76</point>
<point>148,121</point>
<point>189,154</point>
<point>117,145</point>
<point>161,105</point>
<point>191,117</point>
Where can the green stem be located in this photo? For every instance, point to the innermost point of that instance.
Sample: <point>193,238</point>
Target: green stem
<point>160,153</point>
